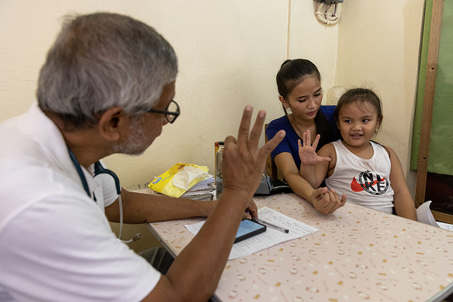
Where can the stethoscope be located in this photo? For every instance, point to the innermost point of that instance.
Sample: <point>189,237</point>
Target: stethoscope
<point>99,169</point>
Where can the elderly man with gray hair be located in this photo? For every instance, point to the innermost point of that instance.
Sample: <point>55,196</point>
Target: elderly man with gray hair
<point>107,87</point>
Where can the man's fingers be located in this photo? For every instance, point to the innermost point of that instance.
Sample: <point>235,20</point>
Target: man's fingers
<point>270,145</point>
<point>252,209</point>
<point>247,216</point>
<point>257,128</point>
<point>244,127</point>
<point>228,141</point>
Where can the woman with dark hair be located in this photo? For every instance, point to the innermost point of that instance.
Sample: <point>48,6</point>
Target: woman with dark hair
<point>300,93</point>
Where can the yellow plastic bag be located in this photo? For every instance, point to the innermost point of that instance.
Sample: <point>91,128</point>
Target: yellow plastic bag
<point>178,179</point>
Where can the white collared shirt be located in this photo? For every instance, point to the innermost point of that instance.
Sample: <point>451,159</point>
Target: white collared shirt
<point>55,242</point>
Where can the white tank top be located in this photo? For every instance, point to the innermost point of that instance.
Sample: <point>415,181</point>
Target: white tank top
<point>365,182</point>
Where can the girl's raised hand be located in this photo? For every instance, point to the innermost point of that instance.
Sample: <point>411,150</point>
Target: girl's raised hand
<point>307,151</point>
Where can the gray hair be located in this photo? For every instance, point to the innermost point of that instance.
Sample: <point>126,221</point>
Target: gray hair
<point>100,61</point>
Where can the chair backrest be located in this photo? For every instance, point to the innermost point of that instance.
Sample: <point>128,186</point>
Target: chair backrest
<point>271,168</point>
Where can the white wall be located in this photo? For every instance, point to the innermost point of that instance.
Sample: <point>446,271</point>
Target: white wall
<point>378,48</point>
<point>310,39</point>
<point>229,52</point>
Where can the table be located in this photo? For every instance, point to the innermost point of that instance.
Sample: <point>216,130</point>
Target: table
<point>358,254</point>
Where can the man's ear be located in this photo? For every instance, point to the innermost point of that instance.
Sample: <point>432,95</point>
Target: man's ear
<point>112,123</point>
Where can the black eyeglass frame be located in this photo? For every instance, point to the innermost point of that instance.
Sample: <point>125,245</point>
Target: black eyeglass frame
<point>167,113</point>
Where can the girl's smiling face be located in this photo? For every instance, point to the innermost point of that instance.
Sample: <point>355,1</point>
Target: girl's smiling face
<point>358,122</point>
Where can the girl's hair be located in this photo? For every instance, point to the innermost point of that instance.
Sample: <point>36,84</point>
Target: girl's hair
<point>363,97</point>
<point>291,74</point>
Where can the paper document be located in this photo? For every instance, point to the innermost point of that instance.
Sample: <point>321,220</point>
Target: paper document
<point>445,226</point>
<point>424,214</point>
<point>267,239</point>
<point>208,183</point>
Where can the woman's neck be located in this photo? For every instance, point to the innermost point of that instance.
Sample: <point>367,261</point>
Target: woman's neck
<point>300,125</point>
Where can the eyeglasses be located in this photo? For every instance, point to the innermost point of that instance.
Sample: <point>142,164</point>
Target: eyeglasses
<point>171,112</point>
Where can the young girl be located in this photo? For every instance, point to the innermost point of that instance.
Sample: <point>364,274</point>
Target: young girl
<point>299,86</point>
<point>369,174</point>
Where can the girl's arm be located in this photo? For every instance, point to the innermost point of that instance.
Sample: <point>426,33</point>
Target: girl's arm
<point>313,167</point>
<point>323,200</point>
<point>404,205</point>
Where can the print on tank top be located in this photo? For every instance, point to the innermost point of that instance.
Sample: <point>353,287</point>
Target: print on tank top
<point>371,183</point>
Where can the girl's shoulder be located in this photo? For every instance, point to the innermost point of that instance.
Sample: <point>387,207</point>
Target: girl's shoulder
<point>327,150</point>
<point>386,148</point>
<point>338,144</point>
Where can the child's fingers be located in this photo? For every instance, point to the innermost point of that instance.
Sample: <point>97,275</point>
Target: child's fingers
<point>315,143</point>
<point>323,159</point>
<point>307,138</point>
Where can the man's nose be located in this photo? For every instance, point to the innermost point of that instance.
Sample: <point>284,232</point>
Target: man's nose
<point>164,120</point>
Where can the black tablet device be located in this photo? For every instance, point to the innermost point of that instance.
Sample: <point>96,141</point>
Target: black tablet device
<point>249,228</point>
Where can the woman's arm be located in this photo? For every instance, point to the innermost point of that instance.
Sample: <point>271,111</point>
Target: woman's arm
<point>404,205</point>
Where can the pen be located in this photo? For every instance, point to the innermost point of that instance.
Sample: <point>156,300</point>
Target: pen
<point>271,225</point>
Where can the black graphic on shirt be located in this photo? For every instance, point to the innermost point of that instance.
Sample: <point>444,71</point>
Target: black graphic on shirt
<point>371,183</point>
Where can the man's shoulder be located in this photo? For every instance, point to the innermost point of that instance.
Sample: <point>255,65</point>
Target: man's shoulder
<point>24,133</point>
<point>25,184</point>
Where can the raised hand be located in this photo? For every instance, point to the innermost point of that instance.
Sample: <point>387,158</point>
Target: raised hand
<point>243,162</point>
<point>307,151</point>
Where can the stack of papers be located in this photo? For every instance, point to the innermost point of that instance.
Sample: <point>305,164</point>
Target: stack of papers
<point>204,190</point>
